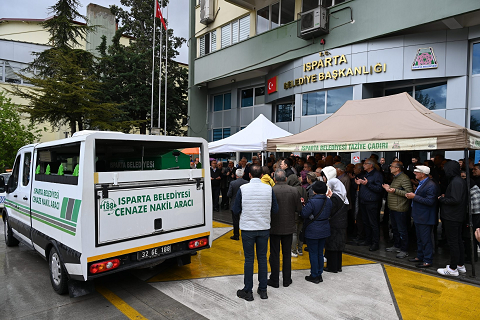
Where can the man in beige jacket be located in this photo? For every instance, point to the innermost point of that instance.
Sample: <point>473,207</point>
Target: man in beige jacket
<point>399,206</point>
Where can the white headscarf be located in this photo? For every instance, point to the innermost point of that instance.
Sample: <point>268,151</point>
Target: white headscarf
<point>338,188</point>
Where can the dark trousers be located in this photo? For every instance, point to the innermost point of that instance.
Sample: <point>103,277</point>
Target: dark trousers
<point>370,221</point>
<point>255,241</point>
<point>286,241</point>
<point>225,199</point>
<point>424,242</point>
<point>399,228</point>
<point>334,260</point>
<point>215,197</point>
<point>236,225</point>
<point>453,230</point>
<point>315,253</point>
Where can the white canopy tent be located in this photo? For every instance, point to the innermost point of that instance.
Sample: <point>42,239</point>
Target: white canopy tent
<point>252,138</point>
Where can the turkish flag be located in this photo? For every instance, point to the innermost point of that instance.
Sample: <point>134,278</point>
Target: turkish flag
<point>272,85</point>
<point>158,14</point>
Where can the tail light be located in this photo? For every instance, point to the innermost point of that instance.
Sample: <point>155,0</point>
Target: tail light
<point>198,243</point>
<point>104,266</point>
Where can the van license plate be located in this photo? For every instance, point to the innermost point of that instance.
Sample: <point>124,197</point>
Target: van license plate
<point>154,252</point>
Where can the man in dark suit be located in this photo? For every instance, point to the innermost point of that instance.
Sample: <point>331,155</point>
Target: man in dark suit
<point>215,178</point>
<point>424,213</point>
<point>232,194</point>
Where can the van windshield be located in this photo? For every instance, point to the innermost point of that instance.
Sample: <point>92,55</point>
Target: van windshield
<point>121,155</point>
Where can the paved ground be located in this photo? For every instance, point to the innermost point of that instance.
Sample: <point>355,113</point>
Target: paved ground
<point>206,289</point>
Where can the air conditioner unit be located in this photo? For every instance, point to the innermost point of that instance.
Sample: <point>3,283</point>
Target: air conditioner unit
<point>313,23</point>
<point>207,11</point>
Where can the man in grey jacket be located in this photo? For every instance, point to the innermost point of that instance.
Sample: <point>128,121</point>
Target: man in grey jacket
<point>232,194</point>
<point>283,225</point>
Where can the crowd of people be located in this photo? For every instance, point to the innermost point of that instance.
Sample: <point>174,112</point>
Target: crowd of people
<point>323,202</point>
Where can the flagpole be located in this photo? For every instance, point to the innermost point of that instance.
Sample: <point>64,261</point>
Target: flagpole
<point>153,66</point>
<point>166,72</point>
<point>160,75</point>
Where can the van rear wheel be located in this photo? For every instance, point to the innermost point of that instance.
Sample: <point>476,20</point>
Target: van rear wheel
<point>58,275</point>
<point>10,240</point>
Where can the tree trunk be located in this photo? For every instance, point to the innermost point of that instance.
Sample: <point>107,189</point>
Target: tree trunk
<point>73,127</point>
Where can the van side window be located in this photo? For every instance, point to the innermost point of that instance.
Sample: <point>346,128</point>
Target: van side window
<point>125,155</point>
<point>13,181</point>
<point>58,164</point>
<point>27,159</point>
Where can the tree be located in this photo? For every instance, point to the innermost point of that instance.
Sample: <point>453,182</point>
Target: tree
<point>126,70</point>
<point>13,134</point>
<point>66,85</point>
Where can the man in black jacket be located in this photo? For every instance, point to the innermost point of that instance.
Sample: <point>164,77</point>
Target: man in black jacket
<point>215,178</point>
<point>453,209</point>
<point>232,194</point>
<point>282,227</point>
<point>370,195</point>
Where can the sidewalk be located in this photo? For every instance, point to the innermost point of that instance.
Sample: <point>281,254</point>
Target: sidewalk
<point>441,256</point>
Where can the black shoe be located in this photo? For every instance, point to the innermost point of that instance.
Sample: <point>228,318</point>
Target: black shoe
<point>364,243</point>
<point>340,270</point>
<point>234,238</point>
<point>316,280</point>
<point>414,260</point>
<point>423,265</point>
<point>245,295</point>
<point>272,283</point>
<point>287,283</point>
<point>262,293</point>
<point>373,247</point>
<point>216,210</point>
<point>328,270</point>
<point>305,249</point>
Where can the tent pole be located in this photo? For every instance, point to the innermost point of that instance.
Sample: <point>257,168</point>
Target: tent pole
<point>470,223</point>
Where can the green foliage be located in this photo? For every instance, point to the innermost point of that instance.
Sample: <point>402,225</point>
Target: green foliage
<point>126,71</point>
<point>13,134</point>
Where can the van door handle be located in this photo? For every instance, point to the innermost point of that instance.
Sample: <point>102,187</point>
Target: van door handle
<point>25,198</point>
<point>15,196</point>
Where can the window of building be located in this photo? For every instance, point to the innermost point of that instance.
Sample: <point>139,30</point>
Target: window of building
<point>476,58</point>
<point>274,15</point>
<point>226,133</point>
<point>308,5</point>
<point>208,43</point>
<point>236,31</point>
<point>475,120</point>
<point>9,72</point>
<point>222,102</point>
<point>433,96</point>
<point>217,134</point>
<point>284,112</point>
<point>322,102</point>
<point>253,96</point>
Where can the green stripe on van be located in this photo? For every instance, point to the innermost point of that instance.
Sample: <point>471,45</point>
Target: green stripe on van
<point>63,212</point>
<point>76,210</point>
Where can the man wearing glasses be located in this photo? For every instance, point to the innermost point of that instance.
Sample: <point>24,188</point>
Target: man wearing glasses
<point>399,205</point>
<point>370,195</point>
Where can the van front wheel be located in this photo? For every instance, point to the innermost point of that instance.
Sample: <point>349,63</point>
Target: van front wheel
<point>58,275</point>
<point>10,240</point>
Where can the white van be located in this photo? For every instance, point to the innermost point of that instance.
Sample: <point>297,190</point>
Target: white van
<point>102,202</point>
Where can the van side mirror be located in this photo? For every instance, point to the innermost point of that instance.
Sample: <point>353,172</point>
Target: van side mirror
<point>2,184</point>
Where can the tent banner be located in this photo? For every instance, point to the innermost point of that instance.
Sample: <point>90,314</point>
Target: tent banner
<point>374,145</point>
<point>474,143</point>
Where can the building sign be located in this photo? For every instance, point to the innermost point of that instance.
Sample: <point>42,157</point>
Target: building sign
<point>272,85</point>
<point>424,59</point>
<point>327,60</point>
<point>375,145</point>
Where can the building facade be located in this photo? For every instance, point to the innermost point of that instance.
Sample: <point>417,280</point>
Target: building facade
<point>260,56</point>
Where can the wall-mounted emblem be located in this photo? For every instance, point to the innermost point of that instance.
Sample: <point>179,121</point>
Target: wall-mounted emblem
<point>272,85</point>
<point>425,59</point>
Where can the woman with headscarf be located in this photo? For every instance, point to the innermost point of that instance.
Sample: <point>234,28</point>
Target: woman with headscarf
<point>335,244</point>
